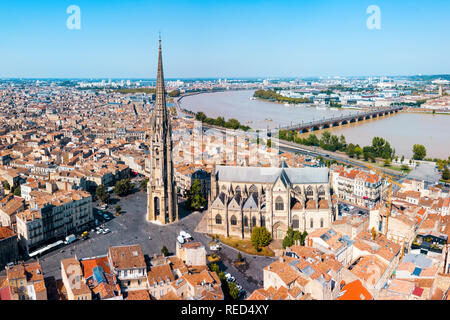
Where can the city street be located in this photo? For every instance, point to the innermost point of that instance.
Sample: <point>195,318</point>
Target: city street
<point>131,227</point>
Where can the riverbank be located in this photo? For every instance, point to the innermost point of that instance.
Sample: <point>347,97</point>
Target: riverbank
<point>402,130</point>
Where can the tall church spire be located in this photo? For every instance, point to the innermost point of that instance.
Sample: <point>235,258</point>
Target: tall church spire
<point>162,203</point>
<point>160,88</point>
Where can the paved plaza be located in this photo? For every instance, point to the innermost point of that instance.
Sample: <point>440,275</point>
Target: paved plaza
<point>131,227</point>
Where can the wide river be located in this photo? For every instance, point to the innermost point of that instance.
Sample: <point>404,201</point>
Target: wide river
<point>402,130</point>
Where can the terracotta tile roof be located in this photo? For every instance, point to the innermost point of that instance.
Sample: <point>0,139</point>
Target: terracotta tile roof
<point>160,273</point>
<point>88,265</point>
<point>138,295</point>
<point>170,296</point>
<point>355,291</point>
<point>127,257</point>
<point>6,232</point>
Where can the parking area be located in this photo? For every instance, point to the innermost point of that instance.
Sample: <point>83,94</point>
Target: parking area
<point>346,209</point>
<point>131,227</point>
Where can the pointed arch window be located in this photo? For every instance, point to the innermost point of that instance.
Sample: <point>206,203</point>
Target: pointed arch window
<point>311,223</point>
<point>245,221</point>
<point>295,222</point>
<point>233,220</point>
<point>218,219</point>
<point>279,204</point>
<point>253,189</point>
<point>309,192</point>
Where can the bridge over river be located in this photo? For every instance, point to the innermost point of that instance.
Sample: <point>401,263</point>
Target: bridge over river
<point>340,121</point>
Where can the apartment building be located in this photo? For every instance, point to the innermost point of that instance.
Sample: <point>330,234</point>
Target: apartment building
<point>358,187</point>
<point>9,251</point>
<point>9,207</point>
<point>307,270</point>
<point>26,282</point>
<point>52,217</point>
<point>191,253</point>
<point>73,280</point>
<point>331,242</point>
<point>128,265</point>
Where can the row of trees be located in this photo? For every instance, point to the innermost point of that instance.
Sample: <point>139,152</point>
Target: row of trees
<point>274,96</point>
<point>293,236</point>
<point>122,188</point>
<point>380,147</point>
<point>220,121</point>
<point>228,288</point>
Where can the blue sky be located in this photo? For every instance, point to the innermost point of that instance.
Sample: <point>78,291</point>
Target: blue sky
<point>223,38</point>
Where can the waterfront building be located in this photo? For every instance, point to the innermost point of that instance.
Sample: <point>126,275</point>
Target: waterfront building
<point>162,203</point>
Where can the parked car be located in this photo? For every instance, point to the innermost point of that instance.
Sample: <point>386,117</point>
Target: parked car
<point>106,216</point>
<point>70,239</point>
<point>229,277</point>
<point>105,231</point>
<point>180,239</point>
<point>215,247</point>
<point>183,233</point>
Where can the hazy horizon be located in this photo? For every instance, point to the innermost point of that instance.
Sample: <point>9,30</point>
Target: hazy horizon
<point>210,39</point>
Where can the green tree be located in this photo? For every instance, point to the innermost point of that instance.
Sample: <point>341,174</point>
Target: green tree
<point>118,209</point>
<point>404,167</point>
<point>102,194</point>
<point>387,162</point>
<point>196,199</point>
<point>446,174</point>
<point>233,124</point>
<point>165,251</point>
<point>174,93</point>
<point>350,150</point>
<point>239,257</point>
<point>123,187</point>
<point>419,152</point>
<point>17,191</point>
<point>233,290</point>
<point>358,151</point>
<point>200,116</point>
<point>260,237</point>
<point>144,183</point>
<point>269,143</point>
<point>402,159</point>
<point>6,185</point>
<point>214,267</point>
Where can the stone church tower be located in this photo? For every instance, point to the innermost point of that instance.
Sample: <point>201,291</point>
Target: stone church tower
<point>162,203</point>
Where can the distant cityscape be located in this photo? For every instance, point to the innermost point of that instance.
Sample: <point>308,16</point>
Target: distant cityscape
<point>113,189</point>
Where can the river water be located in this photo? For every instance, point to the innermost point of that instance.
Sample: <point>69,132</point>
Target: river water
<point>402,130</point>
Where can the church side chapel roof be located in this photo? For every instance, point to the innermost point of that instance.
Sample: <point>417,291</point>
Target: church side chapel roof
<point>251,202</point>
<point>220,200</point>
<point>271,174</point>
<point>310,204</point>
<point>297,205</point>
